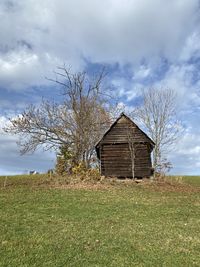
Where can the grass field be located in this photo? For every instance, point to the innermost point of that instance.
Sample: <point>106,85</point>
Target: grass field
<point>122,224</point>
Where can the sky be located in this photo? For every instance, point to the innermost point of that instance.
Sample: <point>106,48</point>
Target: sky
<point>143,44</point>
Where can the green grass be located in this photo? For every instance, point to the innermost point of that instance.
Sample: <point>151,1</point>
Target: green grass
<point>192,180</point>
<point>117,226</point>
<point>185,179</point>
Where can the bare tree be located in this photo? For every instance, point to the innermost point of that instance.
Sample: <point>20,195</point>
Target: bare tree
<point>132,148</point>
<point>76,123</point>
<point>158,115</point>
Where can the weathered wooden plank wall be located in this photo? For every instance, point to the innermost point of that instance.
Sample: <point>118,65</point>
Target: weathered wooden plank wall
<point>115,153</point>
<point>116,161</point>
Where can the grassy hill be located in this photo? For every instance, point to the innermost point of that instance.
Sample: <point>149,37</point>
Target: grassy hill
<point>98,224</point>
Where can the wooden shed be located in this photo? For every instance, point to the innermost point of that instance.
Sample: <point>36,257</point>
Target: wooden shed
<point>115,152</point>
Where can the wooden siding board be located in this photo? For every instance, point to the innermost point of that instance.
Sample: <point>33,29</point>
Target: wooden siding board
<point>118,163</point>
<point>120,130</point>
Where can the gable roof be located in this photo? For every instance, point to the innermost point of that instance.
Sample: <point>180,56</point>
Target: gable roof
<point>115,122</point>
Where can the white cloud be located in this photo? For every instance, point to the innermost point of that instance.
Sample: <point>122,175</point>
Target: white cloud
<point>186,155</point>
<point>192,47</point>
<point>36,36</point>
<point>189,145</point>
<point>21,69</point>
<point>142,73</point>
